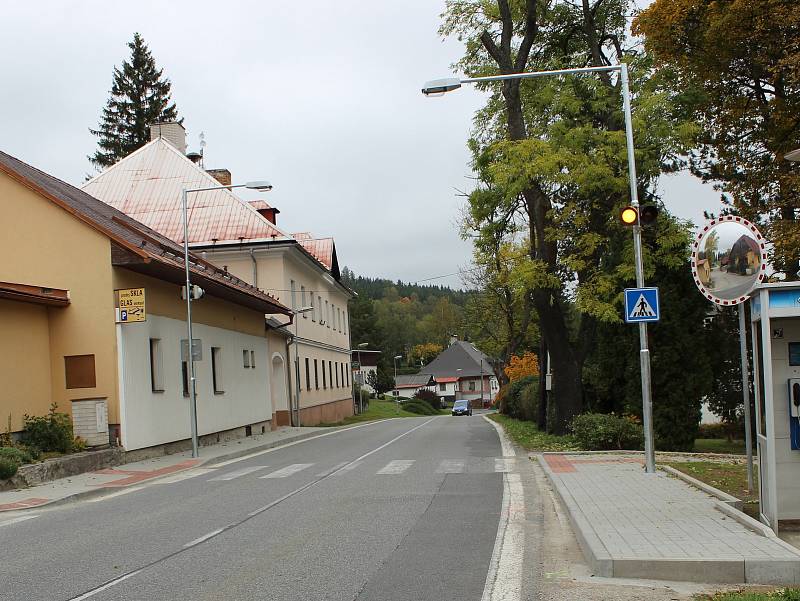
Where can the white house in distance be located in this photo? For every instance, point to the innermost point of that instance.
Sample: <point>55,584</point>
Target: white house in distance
<point>408,385</point>
<point>462,372</point>
<point>243,239</point>
<point>368,363</point>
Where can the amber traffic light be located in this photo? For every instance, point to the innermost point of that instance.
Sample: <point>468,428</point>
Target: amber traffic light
<point>629,216</point>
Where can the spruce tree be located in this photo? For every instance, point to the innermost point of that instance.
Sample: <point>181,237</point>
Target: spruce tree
<point>139,96</point>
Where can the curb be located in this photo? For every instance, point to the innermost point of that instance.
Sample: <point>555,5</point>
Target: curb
<point>706,488</point>
<point>595,552</point>
<point>99,492</point>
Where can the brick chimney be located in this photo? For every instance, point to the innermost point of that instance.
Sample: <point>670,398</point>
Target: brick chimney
<point>223,176</point>
<point>171,131</point>
<point>266,211</point>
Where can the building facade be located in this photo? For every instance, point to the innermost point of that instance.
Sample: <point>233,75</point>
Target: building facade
<point>466,374</point>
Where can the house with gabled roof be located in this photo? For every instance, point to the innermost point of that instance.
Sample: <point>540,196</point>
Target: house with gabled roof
<point>463,372</point>
<point>92,319</point>
<point>243,238</point>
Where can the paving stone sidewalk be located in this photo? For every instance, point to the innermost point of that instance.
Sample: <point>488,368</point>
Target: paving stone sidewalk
<point>636,525</point>
<point>99,482</point>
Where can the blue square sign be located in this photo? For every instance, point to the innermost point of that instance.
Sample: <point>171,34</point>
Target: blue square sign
<point>641,304</point>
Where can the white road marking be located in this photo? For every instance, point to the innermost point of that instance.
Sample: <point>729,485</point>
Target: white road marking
<point>205,537</point>
<point>504,465</point>
<point>347,467</point>
<point>449,466</point>
<point>238,473</point>
<point>287,471</point>
<point>22,518</point>
<point>188,474</point>
<point>119,493</point>
<point>504,579</point>
<point>107,585</point>
<point>398,466</point>
<point>329,471</point>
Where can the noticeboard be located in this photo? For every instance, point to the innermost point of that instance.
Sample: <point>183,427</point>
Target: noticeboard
<point>131,305</point>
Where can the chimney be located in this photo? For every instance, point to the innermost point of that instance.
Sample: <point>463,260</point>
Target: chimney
<point>266,211</point>
<point>223,176</point>
<point>171,131</point>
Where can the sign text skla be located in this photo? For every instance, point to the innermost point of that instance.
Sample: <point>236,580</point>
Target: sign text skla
<point>131,305</point>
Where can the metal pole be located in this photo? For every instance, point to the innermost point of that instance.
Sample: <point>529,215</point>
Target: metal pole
<point>360,384</point>
<point>644,352</point>
<point>396,399</point>
<point>297,370</point>
<point>190,357</point>
<point>748,440</point>
<point>481,383</point>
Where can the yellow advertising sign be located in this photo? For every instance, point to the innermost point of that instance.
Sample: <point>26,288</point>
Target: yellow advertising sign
<point>131,305</point>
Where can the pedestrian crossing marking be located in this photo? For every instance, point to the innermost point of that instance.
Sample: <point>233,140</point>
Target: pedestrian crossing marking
<point>289,470</point>
<point>238,473</point>
<point>451,467</point>
<point>503,465</point>
<point>397,466</point>
<point>642,308</point>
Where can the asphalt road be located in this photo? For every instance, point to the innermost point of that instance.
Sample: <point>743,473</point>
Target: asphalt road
<point>405,509</point>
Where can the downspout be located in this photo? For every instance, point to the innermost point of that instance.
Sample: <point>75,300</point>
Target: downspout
<point>255,268</point>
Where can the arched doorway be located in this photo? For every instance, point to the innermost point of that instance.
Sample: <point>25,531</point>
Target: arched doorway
<point>278,390</point>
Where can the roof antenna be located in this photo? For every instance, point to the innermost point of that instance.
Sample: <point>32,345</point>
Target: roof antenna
<point>202,148</point>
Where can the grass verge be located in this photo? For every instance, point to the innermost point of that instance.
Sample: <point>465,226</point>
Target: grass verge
<point>719,445</point>
<point>529,437</point>
<point>786,594</point>
<point>728,477</point>
<point>377,410</point>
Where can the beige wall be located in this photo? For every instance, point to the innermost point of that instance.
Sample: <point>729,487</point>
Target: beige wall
<point>49,247</point>
<point>24,362</point>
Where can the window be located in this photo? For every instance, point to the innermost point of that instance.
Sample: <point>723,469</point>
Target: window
<point>308,376</point>
<point>294,294</point>
<point>316,375</point>
<point>321,314</point>
<point>185,377</point>
<point>342,366</point>
<point>324,378</point>
<point>327,314</point>
<point>303,300</point>
<point>79,371</point>
<point>330,372</point>
<point>156,366</point>
<point>252,359</point>
<point>246,359</point>
<point>472,385</point>
<point>339,318</point>
<point>337,374</point>
<point>216,369</point>
<point>313,309</point>
<point>443,387</point>
<point>348,378</point>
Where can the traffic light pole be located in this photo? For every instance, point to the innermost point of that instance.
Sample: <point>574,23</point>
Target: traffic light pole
<point>644,351</point>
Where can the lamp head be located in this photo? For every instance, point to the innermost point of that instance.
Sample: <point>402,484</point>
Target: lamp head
<point>438,87</point>
<point>261,186</point>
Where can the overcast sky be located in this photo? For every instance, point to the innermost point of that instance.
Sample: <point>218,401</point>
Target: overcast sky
<point>322,98</point>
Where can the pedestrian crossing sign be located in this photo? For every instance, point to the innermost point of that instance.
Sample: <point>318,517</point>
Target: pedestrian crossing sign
<point>641,304</point>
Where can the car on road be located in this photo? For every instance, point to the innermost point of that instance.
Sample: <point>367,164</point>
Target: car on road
<point>461,408</point>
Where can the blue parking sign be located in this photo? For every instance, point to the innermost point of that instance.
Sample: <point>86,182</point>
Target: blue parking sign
<point>641,304</point>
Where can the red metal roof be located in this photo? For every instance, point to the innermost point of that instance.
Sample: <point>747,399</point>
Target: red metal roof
<point>321,249</point>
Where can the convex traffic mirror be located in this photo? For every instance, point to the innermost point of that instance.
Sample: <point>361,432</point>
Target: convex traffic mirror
<point>728,260</point>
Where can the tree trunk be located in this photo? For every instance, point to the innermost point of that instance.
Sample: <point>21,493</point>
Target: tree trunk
<point>541,418</point>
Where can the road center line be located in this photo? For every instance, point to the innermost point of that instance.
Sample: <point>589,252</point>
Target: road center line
<point>21,518</point>
<point>205,537</point>
<point>107,585</point>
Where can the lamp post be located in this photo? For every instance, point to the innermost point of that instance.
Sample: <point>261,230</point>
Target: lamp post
<point>440,86</point>
<point>361,378</point>
<point>295,313</point>
<point>397,396</point>
<point>261,186</point>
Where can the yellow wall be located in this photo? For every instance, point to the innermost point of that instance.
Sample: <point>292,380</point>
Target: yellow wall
<point>43,245</point>
<point>163,298</point>
<point>24,361</point>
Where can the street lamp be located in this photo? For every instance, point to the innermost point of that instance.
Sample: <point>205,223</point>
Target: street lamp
<point>361,378</point>
<point>295,313</point>
<point>397,396</point>
<point>440,86</point>
<point>261,186</point>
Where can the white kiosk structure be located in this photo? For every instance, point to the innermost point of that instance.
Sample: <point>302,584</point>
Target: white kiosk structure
<point>775,325</point>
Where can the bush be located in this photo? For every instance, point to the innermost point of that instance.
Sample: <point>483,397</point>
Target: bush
<point>606,432</point>
<point>428,396</point>
<point>520,399</point>
<point>51,432</point>
<point>8,467</point>
<point>721,431</point>
<point>16,454</point>
<point>419,407</point>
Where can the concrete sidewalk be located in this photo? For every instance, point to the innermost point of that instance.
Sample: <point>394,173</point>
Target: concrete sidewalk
<point>631,524</point>
<point>100,482</point>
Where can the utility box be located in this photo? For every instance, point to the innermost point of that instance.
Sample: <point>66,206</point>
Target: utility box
<point>90,421</point>
<point>775,326</point>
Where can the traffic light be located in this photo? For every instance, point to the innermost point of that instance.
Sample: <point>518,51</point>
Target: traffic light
<point>643,216</point>
<point>629,216</point>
